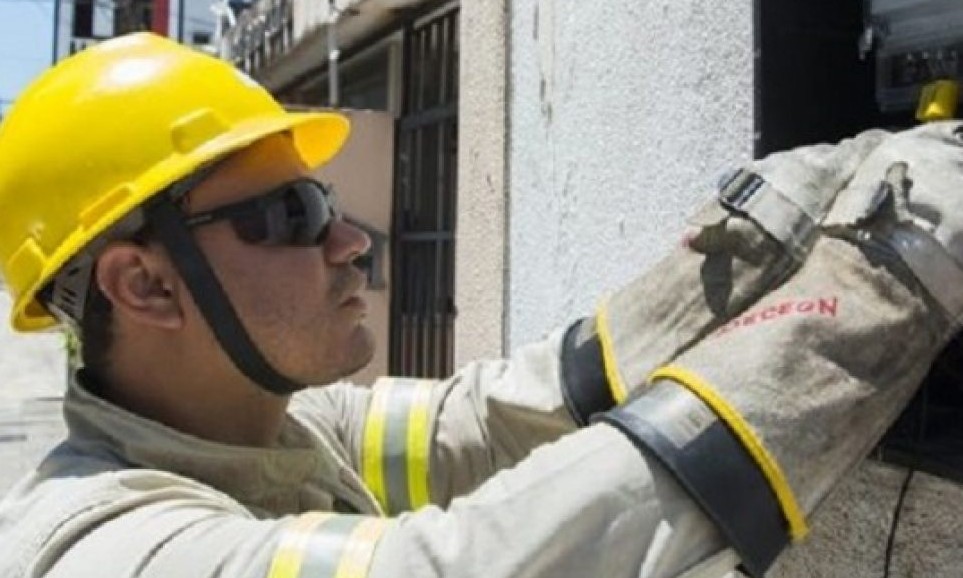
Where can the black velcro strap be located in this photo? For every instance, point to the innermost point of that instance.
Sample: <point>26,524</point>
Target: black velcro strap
<point>584,387</point>
<point>739,188</point>
<point>676,427</point>
<point>168,222</point>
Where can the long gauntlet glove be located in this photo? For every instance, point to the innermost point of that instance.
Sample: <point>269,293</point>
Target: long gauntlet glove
<point>761,418</point>
<point>742,244</point>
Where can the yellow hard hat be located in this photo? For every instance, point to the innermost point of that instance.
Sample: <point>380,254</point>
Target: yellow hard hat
<point>106,129</point>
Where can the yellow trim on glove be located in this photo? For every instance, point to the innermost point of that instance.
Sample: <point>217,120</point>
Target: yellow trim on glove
<point>612,375</point>
<point>732,418</point>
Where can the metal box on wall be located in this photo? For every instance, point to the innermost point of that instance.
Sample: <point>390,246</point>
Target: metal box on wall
<point>917,42</point>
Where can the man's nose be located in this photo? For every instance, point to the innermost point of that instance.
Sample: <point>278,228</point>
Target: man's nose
<point>345,242</point>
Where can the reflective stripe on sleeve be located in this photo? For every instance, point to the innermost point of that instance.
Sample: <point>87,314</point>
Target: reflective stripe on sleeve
<point>324,545</point>
<point>396,449</point>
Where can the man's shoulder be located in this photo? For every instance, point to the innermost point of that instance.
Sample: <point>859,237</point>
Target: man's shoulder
<point>72,492</point>
<point>329,405</point>
<point>69,480</point>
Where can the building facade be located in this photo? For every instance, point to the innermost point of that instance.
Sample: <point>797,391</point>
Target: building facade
<point>543,152</point>
<point>587,132</point>
<point>80,23</point>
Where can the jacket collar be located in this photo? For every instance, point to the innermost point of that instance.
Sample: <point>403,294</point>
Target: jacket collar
<point>268,479</point>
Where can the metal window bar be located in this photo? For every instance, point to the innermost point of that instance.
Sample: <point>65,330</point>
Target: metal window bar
<point>422,300</point>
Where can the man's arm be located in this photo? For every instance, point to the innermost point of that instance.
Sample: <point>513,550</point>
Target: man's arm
<point>419,441</point>
<point>588,505</point>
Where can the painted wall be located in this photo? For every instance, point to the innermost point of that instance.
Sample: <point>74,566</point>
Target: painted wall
<point>480,242</point>
<point>361,176</point>
<point>622,115</point>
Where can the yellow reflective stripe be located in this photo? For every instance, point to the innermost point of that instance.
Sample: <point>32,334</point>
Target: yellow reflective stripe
<point>290,551</point>
<point>612,375</point>
<point>418,446</point>
<point>770,468</point>
<point>396,450</point>
<point>360,549</point>
<point>324,545</point>
<point>372,468</point>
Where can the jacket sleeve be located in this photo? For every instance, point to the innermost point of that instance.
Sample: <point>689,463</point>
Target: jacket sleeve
<point>428,441</point>
<point>589,504</point>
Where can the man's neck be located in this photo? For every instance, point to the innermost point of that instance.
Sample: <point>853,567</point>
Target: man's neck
<point>209,402</point>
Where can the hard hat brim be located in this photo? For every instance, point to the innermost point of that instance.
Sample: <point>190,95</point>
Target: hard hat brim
<point>317,137</point>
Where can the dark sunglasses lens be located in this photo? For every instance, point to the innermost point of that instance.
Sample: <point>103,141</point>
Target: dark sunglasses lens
<point>300,214</point>
<point>251,227</point>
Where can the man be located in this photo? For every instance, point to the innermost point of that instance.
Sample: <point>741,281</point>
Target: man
<point>176,224</point>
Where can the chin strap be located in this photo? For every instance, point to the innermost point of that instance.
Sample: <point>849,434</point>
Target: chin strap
<point>171,230</point>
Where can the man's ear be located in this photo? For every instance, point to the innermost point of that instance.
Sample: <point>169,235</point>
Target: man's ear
<point>139,282</point>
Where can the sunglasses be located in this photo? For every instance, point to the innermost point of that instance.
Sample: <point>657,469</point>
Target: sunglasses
<point>297,213</point>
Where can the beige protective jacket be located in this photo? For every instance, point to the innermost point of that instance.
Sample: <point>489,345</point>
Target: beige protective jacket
<point>514,490</point>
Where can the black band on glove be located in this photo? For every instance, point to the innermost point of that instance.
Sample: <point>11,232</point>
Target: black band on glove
<point>584,386</point>
<point>676,427</point>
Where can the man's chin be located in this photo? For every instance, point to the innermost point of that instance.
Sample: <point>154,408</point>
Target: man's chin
<point>356,356</point>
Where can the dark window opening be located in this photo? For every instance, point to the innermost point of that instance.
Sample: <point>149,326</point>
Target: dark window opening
<point>83,25</point>
<point>133,16</point>
<point>928,436</point>
<point>812,86</point>
<point>200,38</point>
<point>363,84</point>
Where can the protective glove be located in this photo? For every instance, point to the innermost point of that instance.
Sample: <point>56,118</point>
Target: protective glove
<point>761,418</point>
<point>747,240</point>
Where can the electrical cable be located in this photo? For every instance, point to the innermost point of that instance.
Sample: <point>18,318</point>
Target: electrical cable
<point>891,540</point>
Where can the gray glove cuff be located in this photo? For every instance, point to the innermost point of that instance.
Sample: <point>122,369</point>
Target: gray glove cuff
<point>708,460</point>
<point>584,386</point>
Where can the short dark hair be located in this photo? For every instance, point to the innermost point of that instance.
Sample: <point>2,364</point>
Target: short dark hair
<point>96,331</point>
<point>97,325</point>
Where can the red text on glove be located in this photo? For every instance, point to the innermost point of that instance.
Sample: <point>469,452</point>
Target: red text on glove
<point>822,306</point>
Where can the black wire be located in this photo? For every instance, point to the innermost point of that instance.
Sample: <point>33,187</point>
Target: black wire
<point>892,529</point>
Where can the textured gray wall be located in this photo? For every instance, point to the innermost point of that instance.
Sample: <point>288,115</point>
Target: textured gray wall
<point>480,241</point>
<point>622,115</point>
<point>850,530</point>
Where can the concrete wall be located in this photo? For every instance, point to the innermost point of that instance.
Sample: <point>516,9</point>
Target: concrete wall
<point>851,529</point>
<point>622,114</point>
<point>480,273</point>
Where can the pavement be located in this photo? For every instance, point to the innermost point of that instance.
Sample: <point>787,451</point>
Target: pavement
<point>33,377</point>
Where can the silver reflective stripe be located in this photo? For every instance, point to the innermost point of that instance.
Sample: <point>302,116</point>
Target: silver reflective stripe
<point>396,445</point>
<point>933,266</point>
<point>325,545</point>
<point>779,215</point>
